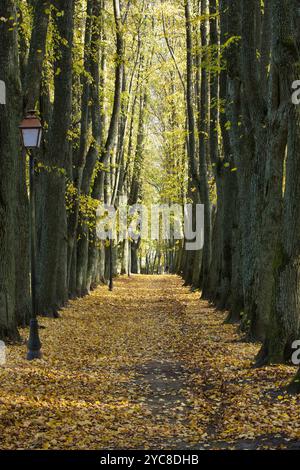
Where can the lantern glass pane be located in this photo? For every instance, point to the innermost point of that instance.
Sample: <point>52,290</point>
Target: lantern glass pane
<point>30,137</point>
<point>40,138</point>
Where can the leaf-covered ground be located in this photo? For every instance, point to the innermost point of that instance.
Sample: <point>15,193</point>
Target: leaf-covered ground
<point>146,366</point>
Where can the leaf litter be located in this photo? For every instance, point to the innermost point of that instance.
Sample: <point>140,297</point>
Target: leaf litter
<point>149,365</point>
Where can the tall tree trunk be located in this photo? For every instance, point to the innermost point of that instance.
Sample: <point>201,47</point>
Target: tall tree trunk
<point>135,189</point>
<point>52,288</point>
<point>283,327</point>
<point>189,256</point>
<point>36,54</point>
<point>31,95</point>
<point>226,179</point>
<point>10,114</point>
<point>79,157</point>
<point>203,132</point>
<point>97,191</point>
<point>84,270</point>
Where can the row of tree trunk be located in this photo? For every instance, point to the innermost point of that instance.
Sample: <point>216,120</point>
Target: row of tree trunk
<point>82,158</point>
<point>243,124</point>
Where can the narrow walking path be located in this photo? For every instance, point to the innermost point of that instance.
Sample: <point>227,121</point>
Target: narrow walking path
<point>148,365</point>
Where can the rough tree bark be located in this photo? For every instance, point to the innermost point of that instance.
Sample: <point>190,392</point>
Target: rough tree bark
<point>188,258</point>
<point>283,327</point>
<point>97,192</point>
<point>52,288</point>
<point>204,151</point>
<point>31,94</point>
<point>10,114</point>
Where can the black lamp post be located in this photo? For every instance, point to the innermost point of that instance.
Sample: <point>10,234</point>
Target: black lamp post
<point>111,282</point>
<point>31,131</point>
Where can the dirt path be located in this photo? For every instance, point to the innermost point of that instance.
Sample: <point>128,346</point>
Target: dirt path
<point>146,366</point>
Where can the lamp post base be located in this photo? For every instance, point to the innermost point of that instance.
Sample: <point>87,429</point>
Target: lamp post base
<point>34,344</point>
<point>32,355</point>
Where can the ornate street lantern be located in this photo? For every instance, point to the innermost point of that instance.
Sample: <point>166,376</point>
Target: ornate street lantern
<point>31,131</point>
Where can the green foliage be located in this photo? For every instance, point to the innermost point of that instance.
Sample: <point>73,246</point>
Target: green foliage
<point>87,206</point>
